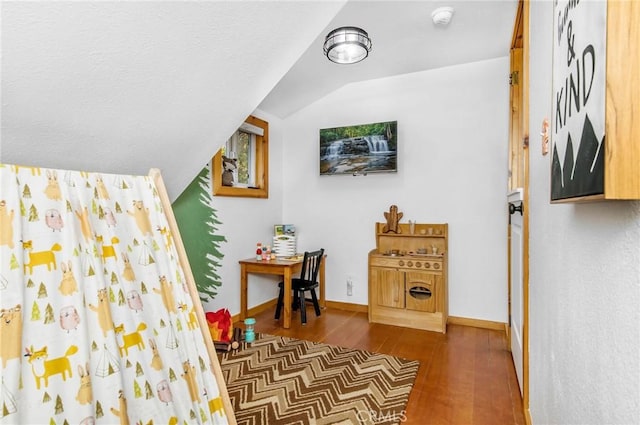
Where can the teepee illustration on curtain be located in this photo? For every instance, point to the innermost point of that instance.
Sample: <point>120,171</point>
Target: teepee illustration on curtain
<point>120,182</point>
<point>3,282</point>
<point>108,364</point>
<point>89,265</point>
<point>69,179</point>
<point>8,402</point>
<point>172,340</point>
<point>146,257</point>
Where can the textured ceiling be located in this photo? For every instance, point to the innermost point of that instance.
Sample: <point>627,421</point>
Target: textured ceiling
<point>122,87</point>
<point>405,40</point>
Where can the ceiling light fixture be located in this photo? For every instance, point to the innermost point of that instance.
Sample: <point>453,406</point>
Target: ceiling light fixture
<point>442,15</point>
<point>347,45</point>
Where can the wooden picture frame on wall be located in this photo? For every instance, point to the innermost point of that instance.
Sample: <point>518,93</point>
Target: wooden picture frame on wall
<point>578,99</point>
<point>256,163</point>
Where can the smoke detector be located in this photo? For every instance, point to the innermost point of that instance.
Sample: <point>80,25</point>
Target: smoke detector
<point>442,15</point>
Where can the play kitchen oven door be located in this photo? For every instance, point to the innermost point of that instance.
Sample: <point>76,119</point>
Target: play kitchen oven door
<point>406,291</point>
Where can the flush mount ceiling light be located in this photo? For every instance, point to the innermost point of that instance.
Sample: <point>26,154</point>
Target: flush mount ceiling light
<point>347,45</point>
<point>442,15</point>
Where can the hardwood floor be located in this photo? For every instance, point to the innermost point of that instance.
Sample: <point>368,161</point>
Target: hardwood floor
<point>465,376</point>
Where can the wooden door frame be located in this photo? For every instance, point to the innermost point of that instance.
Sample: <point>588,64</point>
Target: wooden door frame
<point>520,40</point>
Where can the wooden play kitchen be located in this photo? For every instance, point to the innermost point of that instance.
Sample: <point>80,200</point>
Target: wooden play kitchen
<point>408,275</point>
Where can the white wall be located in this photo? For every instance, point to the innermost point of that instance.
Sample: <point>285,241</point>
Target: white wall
<point>452,159</point>
<point>246,221</point>
<point>584,284</point>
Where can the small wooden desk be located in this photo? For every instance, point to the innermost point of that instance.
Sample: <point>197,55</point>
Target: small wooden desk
<point>285,268</point>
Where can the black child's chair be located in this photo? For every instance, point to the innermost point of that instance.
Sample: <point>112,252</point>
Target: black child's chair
<point>308,281</point>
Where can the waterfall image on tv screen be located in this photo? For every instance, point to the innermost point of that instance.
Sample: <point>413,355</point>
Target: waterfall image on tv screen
<point>359,149</point>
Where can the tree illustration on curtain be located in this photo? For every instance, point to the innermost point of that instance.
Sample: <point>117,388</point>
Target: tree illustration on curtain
<point>198,223</point>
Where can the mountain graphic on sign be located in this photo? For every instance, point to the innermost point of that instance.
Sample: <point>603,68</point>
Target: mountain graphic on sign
<point>584,180</point>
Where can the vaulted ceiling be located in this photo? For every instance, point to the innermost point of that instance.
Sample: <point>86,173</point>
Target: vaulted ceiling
<point>122,87</point>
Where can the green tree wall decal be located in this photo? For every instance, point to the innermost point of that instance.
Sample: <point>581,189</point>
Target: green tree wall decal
<point>198,224</point>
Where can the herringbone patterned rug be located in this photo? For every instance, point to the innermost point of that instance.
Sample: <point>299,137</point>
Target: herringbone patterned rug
<point>281,381</point>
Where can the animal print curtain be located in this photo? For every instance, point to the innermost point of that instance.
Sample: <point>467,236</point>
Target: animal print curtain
<point>97,324</point>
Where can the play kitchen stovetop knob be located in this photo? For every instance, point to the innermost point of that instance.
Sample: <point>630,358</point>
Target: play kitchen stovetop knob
<point>409,263</point>
<point>436,266</point>
<point>418,264</point>
<point>427,265</point>
<point>401,263</point>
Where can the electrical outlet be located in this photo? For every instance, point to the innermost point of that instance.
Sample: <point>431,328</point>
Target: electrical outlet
<point>349,286</point>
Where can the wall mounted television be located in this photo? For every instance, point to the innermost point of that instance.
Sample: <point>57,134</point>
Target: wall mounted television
<point>359,149</point>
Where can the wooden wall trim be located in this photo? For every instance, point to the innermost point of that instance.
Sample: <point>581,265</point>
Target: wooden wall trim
<point>254,311</point>
<point>358,308</point>
<point>363,308</point>
<point>476,323</point>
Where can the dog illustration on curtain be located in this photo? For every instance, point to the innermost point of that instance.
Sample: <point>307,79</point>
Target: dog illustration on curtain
<point>192,322</point>
<point>40,258</point>
<point>108,251</point>
<point>43,368</point>
<point>129,340</point>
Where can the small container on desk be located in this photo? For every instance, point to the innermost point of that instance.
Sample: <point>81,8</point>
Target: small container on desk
<point>249,332</point>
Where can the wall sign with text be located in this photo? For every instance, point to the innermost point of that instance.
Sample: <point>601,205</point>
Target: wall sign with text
<point>578,111</point>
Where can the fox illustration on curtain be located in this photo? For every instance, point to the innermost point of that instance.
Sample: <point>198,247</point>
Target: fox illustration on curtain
<point>89,330</point>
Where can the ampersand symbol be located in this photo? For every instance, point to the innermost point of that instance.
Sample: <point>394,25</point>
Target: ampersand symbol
<point>570,42</point>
